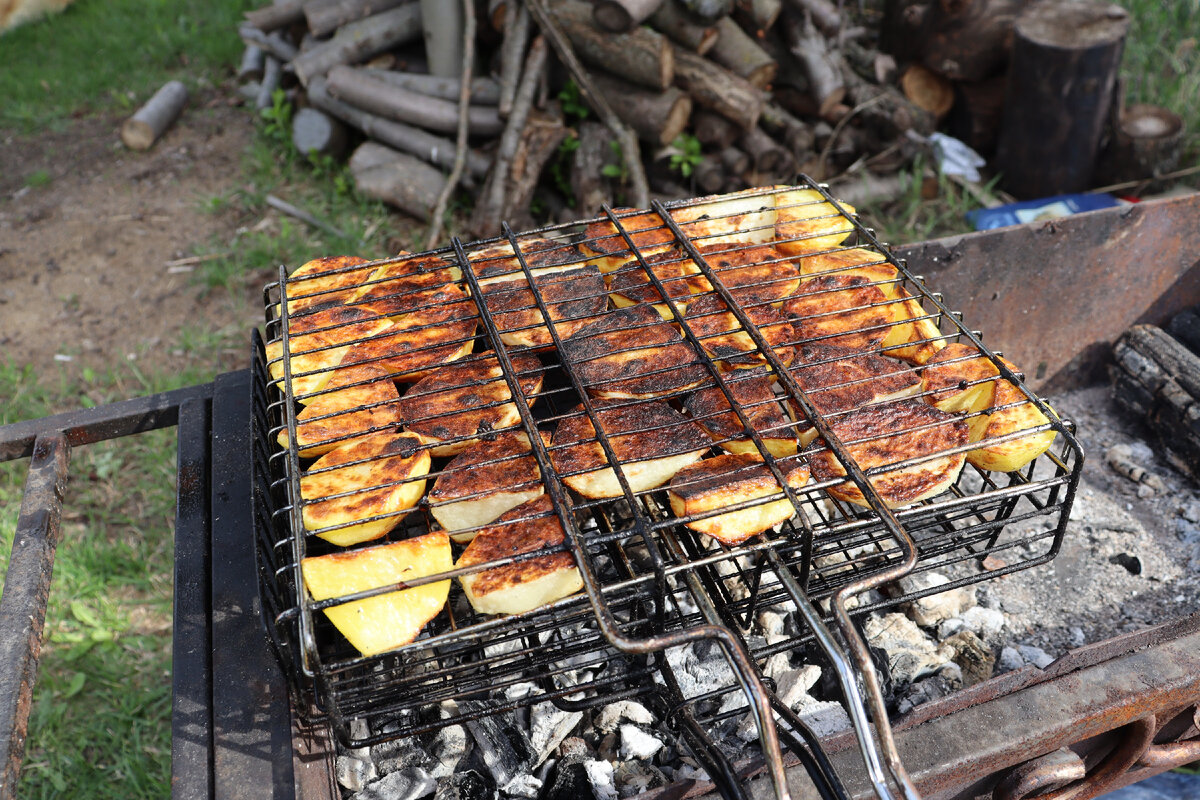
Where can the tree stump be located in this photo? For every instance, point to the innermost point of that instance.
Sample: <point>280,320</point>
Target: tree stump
<point>1145,145</point>
<point>1060,88</point>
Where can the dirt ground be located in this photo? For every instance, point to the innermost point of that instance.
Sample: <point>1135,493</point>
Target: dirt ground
<point>91,234</point>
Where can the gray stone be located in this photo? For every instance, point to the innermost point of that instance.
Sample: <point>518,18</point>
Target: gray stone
<point>1010,659</point>
<point>929,611</point>
<point>911,654</point>
<point>986,623</point>
<point>1035,655</point>
<point>353,773</point>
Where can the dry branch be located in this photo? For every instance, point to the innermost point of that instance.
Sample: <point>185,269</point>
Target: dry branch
<point>671,20</point>
<point>719,89</point>
<point>641,56</point>
<point>588,183</point>
<point>512,50</point>
<point>272,43</point>
<point>736,50</point>
<point>467,49</point>
<point>483,91</point>
<point>824,14</point>
<point>326,16</point>
<point>759,15</point>
<point>356,87</point>
<point>443,22</point>
<point>276,16</point>
<point>253,61</point>
<point>357,41</point>
<point>620,16</point>
<point>656,117</point>
<point>820,65</point>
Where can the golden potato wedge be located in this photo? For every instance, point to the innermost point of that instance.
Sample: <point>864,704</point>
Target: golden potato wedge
<point>752,391</point>
<point>753,274</point>
<point>483,482</point>
<point>319,340</point>
<point>460,402</point>
<point>806,223</point>
<point>523,585</point>
<point>917,332</point>
<point>844,260</point>
<point>650,440</point>
<point>887,434</point>
<point>959,379</point>
<point>700,490</point>
<point>1010,413</point>
<point>356,401</point>
<point>725,339</point>
<point>386,621</point>
<point>633,353</point>
<point>843,311</point>
<point>359,491</point>
<point>574,298</point>
<point>324,282</point>
<point>630,283</point>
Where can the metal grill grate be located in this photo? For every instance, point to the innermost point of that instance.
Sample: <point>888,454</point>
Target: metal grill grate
<point>708,283</point>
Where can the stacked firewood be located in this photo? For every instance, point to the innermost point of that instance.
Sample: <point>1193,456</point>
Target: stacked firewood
<point>573,104</point>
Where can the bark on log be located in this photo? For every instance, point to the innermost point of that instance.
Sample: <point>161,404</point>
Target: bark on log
<point>314,131</point>
<point>901,31</point>
<point>360,40</point>
<point>640,56</point>
<point>884,109</point>
<point>512,52</point>
<point>356,87</point>
<point>498,11</point>
<point>825,15</point>
<point>484,91</point>
<point>543,133</point>
<point>975,116</point>
<point>797,136</point>
<point>714,131</point>
<point>272,43</point>
<point>588,184</point>
<point>272,77</point>
<point>738,52</point>
<point>671,20</point>
<point>326,16</point>
<point>759,15</point>
<point>709,175</point>
<point>151,121</point>
<point>396,178</point>
<point>719,89</point>
<point>1060,86</point>
<point>442,22</point>
<point>969,40</point>
<point>414,141</point>
<point>767,154</point>
<point>708,10</point>
<point>928,90</point>
<point>621,16</point>
<point>734,160</point>
<point>656,117</point>
<point>822,68</point>
<point>276,16</point>
<point>253,61</point>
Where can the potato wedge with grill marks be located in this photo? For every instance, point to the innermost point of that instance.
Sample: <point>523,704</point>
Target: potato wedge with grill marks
<point>386,621</point>
<point>959,379</point>
<point>1009,412</point>
<point>702,489</point>
<point>918,332</point>
<point>630,284</point>
<point>361,490</point>
<point>526,584</point>
<point>327,281</point>
<point>633,353</point>
<point>806,223</point>
<point>650,440</point>
<point>498,262</point>
<point>402,285</point>
<point>845,260</point>
<point>318,340</point>
<point>356,401</point>
<point>844,311</point>
<point>483,482</point>
<point>460,402</point>
<point>726,340</point>
<point>752,391</point>
<point>887,434</point>
<point>574,298</point>
<point>753,274</point>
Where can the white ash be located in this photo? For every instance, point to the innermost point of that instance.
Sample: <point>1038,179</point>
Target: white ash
<point>622,711</point>
<point>549,725</point>
<point>638,744</point>
<point>410,783</point>
<point>353,773</point>
<point>526,786</point>
<point>600,775</point>
<point>635,777</point>
<point>911,654</point>
<point>934,608</point>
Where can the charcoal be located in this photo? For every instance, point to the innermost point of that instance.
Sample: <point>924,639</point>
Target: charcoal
<point>448,748</point>
<point>399,754</point>
<point>1132,563</point>
<point>467,785</point>
<point>410,783</point>
<point>504,747</point>
<point>568,780</point>
<point>635,777</point>
<point>1185,326</point>
<point>353,773</point>
<point>548,726</point>
<point>973,658</point>
<point>923,691</point>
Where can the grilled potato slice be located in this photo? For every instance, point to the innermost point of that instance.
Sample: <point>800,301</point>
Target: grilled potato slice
<point>839,379</point>
<point>318,341</point>
<point>498,262</point>
<point>356,401</point>
<point>852,260</point>
<point>754,274</point>
<point>402,284</point>
<point>844,311</point>
<point>650,440</point>
<point>752,391</point>
<point>806,223</point>
<point>574,298</point>
<point>450,409</point>
<point>605,247</point>
<point>707,486</point>
<point>887,434</point>
<point>526,584</point>
<point>438,330</point>
<point>363,486</point>
<point>633,353</point>
<point>384,622</point>
<point>917,332</point>
<point>483,482</point>
<point>1010,412</point>
<point>959,379</point>
<point>725,339</point>
<point>324,282</point>
<point>630,284</point>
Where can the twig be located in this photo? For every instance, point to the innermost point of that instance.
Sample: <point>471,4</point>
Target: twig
<point>285,207</point>
<point>516,34</point>
<point>464,107</point>
<point>192,260</point>
<point>837,129</point>
<point>1179,173</point>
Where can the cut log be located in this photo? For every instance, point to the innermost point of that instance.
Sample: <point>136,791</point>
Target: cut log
<point>709,174</point>
<point>928,90</point>
<point>734,160</point>
<point>901,32</point>
<point>357,41</point>
<point>1145,146</point>
<point>824,14</point>
<point>737,51</point>
<point>543,133</point>
<point>1060,86</point>
<point>314,131</point>
<point>356,87</point>
<point>969,40</point>
<point>466,71</point>
<point>714,131</point>
<point>272,77</point>
<point>484,91</point>
<point>766,154</point>
<point>656,117</point>
<point>708,11</point>
<point>414,141</point>
<point>758,15</point>
<point>884,109</point>
<point>512,51</point>
<point>975,116</point>
<point>621,16</point>
<point>588,183</point>
<point>272,43</point>
<point>152,120</point>
<point>713,87</point>
<point>276,16</point>
<point>820,65</point>
<point>797,136</point>
<point>442,21</point>
<point>641,56</point>
<point>396,178</point>
<point>253,61</point>
<point>671,20</point>
<point>326,16</point>
<point>498,12</point>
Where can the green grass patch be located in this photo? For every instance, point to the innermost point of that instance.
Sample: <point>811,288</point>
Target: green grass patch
<point>101,55</point>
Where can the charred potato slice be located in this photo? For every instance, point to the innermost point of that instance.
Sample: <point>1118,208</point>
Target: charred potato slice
<point>402,285</point>
<point>393,619</point>
<point>806,223</point>
<point>574,298</point>
<point>633,353</point>
<point>752,391</point>
<point>361,489</point>
<point>605,247</point>
<point>650,440</point>
<point>959,379</point>
<point>630,284</point>
<point>725,339</point>
<point>450,409</point>
<point>845,260</point>
<point>355,402</point>
<point>702,489</point>
<point>327,281</point>
<point>843,311</point>
<point>318,341</point>
<point>887,434</point>
<point>483,482</point>
<point>498,262</point>
<point>526,584</point>
<point>755,274</point>
<point>1009,413</point>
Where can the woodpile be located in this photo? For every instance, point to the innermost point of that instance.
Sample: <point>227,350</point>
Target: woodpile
<point>543,110</point>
